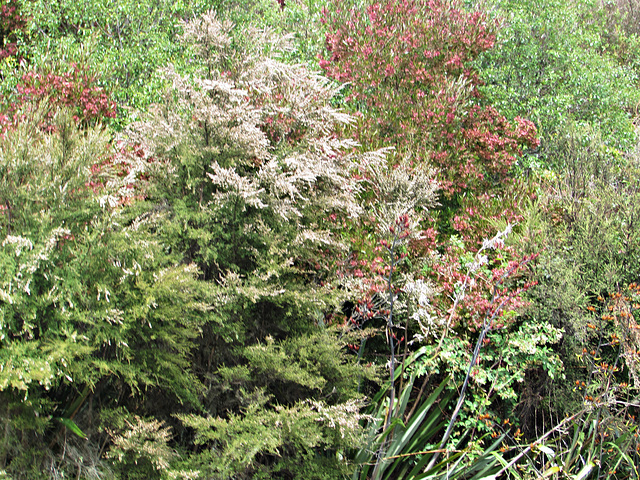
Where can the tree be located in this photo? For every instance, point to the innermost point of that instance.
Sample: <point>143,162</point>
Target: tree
<point>564,79</point>
<point>249,168</point>
<point>409,65</point>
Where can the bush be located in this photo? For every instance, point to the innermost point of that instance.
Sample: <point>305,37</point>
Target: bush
<point>559,76</point>
<point>410,71</point>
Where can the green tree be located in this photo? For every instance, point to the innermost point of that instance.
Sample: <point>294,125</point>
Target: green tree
<point>554,64</point>
<point>124,42</point>
<point>93,309</point>
<point>249,167</point>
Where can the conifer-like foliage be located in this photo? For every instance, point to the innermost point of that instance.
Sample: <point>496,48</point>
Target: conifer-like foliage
<point>93,309</point>
<point>174,282</point>
<point>249,166</point>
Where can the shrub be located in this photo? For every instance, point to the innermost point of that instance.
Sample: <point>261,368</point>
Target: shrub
<point>250,167</point>
<point>409,65</point>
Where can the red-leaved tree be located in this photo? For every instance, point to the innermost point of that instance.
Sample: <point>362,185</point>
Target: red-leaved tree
<point>76,89</point>
<point>409,68</point>
<point>10,22</point>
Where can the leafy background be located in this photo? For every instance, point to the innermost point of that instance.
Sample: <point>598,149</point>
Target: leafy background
<point>380,239</point>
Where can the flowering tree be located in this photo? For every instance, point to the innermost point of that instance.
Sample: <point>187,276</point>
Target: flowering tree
<point>250,167</point>
<point>184,271</point>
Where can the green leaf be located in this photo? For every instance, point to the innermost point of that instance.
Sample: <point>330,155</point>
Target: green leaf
<point>71,425</point>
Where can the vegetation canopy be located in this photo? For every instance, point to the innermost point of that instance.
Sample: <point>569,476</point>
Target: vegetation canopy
<point>280,239</point>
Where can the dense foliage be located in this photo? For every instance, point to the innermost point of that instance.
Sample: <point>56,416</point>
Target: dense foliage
<point>421,261</point>
<point>565,67</point>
